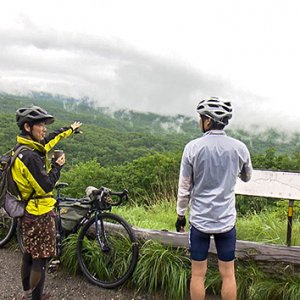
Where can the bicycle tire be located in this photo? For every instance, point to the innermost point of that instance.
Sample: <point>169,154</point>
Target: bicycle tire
<point>112,268</point>
<point>7,227</point>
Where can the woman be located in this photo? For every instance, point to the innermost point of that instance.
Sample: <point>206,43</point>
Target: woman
<point>36,178</point>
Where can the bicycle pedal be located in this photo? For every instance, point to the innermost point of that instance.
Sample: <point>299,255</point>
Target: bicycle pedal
<point>52,269</point>
<point>53,266</point>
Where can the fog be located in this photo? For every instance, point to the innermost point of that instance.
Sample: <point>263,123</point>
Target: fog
<point>149,64</point>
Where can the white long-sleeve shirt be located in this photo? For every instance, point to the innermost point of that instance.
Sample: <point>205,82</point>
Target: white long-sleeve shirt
<point>209,169</point>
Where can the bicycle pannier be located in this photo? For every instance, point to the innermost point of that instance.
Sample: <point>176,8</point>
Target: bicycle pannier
<point>72,212</point>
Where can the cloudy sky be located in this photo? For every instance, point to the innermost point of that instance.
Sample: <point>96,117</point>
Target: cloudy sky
<point>161,55</point>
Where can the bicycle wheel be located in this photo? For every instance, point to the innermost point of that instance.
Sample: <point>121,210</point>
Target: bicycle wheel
<point>7,227</point>
<point>109,260</point>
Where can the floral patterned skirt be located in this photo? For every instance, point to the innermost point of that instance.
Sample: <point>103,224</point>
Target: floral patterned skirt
<point>39,234</point>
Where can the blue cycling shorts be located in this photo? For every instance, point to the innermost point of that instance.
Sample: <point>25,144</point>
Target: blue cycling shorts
<point>200,241</point>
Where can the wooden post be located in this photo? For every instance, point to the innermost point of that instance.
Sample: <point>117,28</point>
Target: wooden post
<point>290,222</point>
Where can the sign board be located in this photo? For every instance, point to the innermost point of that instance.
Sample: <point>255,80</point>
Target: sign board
<point>274,184</point>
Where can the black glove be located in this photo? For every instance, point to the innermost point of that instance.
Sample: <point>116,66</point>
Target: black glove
<point>180,223</point>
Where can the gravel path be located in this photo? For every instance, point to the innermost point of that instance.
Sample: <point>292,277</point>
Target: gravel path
<point>61,285</point>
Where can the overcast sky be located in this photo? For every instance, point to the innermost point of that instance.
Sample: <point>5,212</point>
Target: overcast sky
<point>161,55</point>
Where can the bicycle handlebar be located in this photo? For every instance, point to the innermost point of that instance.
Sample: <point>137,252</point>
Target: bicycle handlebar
<point>102,193</point>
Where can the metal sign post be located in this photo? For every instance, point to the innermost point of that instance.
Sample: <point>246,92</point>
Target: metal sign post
<point>290,222</point>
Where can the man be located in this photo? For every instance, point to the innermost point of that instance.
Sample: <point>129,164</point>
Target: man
<point>36,178</point>
<point>209,169</point>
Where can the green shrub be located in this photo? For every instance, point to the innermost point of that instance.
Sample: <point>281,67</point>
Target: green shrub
<point>162,268</point>
<point>148,178</point>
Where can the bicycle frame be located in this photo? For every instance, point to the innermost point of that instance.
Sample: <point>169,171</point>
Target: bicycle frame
<point>94,228</point>
<point>61,233</point>
<point>104,245</point>
<point>92,211</point>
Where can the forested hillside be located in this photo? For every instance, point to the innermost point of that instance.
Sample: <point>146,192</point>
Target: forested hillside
<point>115,137</point>
<point>110,139</point>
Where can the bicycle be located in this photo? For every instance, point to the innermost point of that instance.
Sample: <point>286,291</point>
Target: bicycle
<point>8,227</point>
<point>107,250</point>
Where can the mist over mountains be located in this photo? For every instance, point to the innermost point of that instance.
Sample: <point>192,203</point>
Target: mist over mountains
<point>175,130</point>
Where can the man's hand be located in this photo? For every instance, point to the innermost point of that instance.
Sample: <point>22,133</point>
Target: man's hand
<point>180,223</point>
<point>75,126</point>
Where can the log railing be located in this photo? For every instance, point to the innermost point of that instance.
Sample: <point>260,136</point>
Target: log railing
<point>272,184</point>
<point>245,250</point>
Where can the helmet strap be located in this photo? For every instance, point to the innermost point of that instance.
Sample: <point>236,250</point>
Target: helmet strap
<point>30,132</point>
<point>31,135</point>
<point>202,125</point>
<point>203,119</point>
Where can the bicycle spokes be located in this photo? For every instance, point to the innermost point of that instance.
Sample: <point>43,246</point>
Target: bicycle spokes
<point>7,227</point>
<point>107,250</point>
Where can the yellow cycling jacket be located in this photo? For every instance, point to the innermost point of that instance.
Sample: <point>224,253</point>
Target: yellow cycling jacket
<point>34,178</point>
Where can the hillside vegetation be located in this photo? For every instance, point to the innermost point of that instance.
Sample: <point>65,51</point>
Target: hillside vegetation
<point>142,152</point>
<point>109,139</point>
<point>139,151</point>
<point>113,137</point>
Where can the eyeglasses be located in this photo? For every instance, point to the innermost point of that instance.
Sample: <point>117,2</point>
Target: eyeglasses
<point>43,125</point>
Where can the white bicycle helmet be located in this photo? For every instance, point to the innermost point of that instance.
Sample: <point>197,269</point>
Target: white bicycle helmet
<point>32,114</point>
<point>218,109</point>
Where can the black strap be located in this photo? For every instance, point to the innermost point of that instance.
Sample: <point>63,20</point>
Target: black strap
<point>18,149</point>
<point>41,197</point>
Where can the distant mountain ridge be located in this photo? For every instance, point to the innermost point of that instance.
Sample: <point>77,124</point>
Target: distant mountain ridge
<point>128,120</point>
<point>172,131</point>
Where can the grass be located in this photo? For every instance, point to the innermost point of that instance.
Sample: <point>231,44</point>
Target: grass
<point>162,268</point>
<point>266,227</point>
<point>159,268</point>
<point>257,285</point>
<point>160,216</point>
<point>167,270</point>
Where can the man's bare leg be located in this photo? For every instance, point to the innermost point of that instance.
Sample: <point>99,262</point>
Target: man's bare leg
<point>197,287</point>
<point>227,272</point>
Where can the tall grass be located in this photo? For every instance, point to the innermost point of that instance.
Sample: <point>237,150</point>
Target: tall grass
<point>257,285</point>
<point>162,268</point>
<point>160,216</point>
<point>69,254</point>
<point>267,226</point>
<point>167,270</point>
<point>159,268</point>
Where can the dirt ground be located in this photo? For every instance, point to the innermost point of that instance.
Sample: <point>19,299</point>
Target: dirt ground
<point>60,285</point>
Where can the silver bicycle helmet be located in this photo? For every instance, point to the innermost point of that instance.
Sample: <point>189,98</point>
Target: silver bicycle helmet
<point>218,109</point>
<point>33,114</point>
